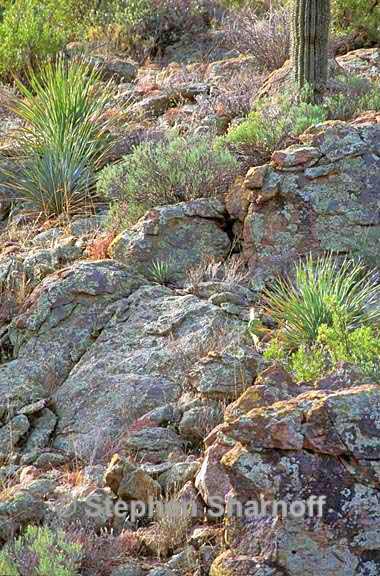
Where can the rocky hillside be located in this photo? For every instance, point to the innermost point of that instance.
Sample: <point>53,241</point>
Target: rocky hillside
<point>129,368</point>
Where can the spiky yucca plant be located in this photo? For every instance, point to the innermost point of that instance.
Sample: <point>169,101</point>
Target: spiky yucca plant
<point>65,136</point>
<point>321,289</point>
<point>161,271</point>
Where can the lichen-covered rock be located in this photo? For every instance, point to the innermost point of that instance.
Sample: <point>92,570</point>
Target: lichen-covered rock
<point>130,482</point>
<point>198,421</point>
<point>20,510</point>
<point>43,427</point>
<point>59,322</point>
<point>101,344</point>
<point>225,375</point>
<point>12,433</point>
<point>212,481</point>
<point>322,444</point>
<point>181,236</point>
<point>273,385</point>
<point>320,195</point>
<point>156,440</point>
<point>173,480</point>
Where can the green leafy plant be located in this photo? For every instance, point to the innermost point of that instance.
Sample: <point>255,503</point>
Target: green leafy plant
<point>174,170</point>
<point>357,17</point>
<point>319,290</point>
<point>65,138</point>
<point>33,30</point>
<point>146,27</point>
<point>40,552</point>
<point>360,347</point>
<point>309,363</point>
<point>273,120</point>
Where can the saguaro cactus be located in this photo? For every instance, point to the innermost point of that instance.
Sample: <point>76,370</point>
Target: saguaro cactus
<point>310,38</point>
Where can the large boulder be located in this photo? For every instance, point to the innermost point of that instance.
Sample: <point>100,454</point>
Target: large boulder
<point>322,443</point>
<point>107,349</point>
<point>181,236</point>
<point>60,320</point>
<point>322,194</point>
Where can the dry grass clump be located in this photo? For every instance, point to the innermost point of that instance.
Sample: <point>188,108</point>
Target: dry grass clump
<point>266,37</point>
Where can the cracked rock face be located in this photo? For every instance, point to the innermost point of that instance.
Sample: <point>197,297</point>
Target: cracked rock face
<point>181,236</point>
<point>321,443</point>
<point>323,194</point>
<point>106,349</point>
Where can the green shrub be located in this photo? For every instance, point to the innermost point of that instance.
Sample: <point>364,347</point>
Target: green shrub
<point>174,170</point>
<point>273,120</point>
<point>320,290</point>
<point>358,17</point>
<point>308,363</point>
<point>147,27</point>
<point>32,30</point>
<point>40,552</point>
<point>325,315</point>
<point>358,95</point>
<point>334,344</point>
<point>64,139</point>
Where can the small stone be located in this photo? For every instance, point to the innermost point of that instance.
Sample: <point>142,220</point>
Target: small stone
<point>13,432</point>
<point>295,156</point>
<point>175,478</point>
<point>255,177</point>
<point>184,561</point>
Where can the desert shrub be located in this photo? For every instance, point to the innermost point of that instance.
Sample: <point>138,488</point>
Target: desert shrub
<point>334,344</point>
<point>327,314</point>
<point>232,99</point>
<point>273,120</point>
<point>32,30</point>
<point>266,37</point>
<point>358,17</point>
<point>40,551</point>
<point>321,292</point>
<point>174,170</point>
<point>64,139</point>
<point>147,27</point>
<point>356,95</point>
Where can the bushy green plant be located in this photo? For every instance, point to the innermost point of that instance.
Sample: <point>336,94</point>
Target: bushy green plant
<point>334,344</point>
<point>273,120</point>
<point>146,27</point>
<point>359,95</point>
<point>326,314</point>
<point>358,17</point>
<point>32,30</point>
<point>64,139</point>
<point>40,552</point>
<point>319,290</point>
<point>174,170</point>
<point>308,363</point>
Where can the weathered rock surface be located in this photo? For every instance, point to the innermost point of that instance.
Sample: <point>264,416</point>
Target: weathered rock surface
<point>108,351</point>
<point>181,236</point>
<point>320,195</point>
<point>130,482</point>
<point>322,443</point>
